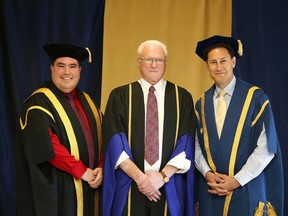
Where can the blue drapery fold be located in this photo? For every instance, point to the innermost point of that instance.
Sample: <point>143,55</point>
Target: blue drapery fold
<point>262,27</point>
<point>25,27</point>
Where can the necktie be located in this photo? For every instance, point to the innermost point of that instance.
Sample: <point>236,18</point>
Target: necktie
<point>220,112</point>
<point>85,128</point>
<point>151,137</point>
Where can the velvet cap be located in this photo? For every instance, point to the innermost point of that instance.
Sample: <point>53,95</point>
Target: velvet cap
<point>236,45</point>
<point>57,50</point>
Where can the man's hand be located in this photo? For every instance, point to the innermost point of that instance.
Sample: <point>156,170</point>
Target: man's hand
<point>147,185</point>
<point>88,176</point>
<point>98,173</point>
<point>150,187</point>
<point>141,179</point>
<point>221,184</point>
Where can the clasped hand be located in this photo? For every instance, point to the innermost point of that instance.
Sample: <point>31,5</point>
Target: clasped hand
<point>150,185</point>
<point>221,184</point>
<point>93,177</point>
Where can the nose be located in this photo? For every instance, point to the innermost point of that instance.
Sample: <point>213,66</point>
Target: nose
<point>218,66</point>
<point>66,70</point>
<point>154,64</point>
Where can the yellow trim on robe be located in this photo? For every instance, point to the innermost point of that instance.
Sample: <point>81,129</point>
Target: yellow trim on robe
<point>178,113</point>
<point>23,125</point>
<point>260,113</point>
<point>129,141</point>
<point>197,115</point>
<point>98,119</point>
<point>72,140</point>
<point>235,142</point>
<point>205,134</point>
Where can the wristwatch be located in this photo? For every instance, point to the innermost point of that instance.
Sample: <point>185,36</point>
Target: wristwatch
<point>165,177</point>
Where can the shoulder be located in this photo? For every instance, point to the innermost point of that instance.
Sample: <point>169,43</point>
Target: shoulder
<point>257,91</point>
<point>180,89</point>
<point>37,94</point>
<point>124,89</point>
<point>257,95</point>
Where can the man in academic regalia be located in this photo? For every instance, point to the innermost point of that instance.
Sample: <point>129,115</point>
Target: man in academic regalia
<point>237,149</point>
<point>145,175</point>
<point>58,155</point>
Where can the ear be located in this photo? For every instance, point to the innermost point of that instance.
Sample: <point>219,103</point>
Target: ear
<point>137,62</point>
<point>234,61</point>
<point>207,66</point>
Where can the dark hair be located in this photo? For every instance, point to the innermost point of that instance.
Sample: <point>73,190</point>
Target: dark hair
<point>218,45</point>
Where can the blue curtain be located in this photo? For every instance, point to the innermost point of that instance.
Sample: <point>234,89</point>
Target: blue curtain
<point>25,27</point>
<point>263,28</point>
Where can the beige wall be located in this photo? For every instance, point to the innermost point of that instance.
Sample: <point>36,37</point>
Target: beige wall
<point>180,24</point>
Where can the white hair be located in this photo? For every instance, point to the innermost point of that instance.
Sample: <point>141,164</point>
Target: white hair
<point>152,42</point>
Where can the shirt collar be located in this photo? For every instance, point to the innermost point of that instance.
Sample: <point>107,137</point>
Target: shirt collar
<point>72,92</point>
<point>159,86</point>
<point>228,89</point>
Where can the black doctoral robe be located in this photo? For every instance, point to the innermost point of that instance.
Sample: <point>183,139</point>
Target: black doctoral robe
<point>42,189</point>
<point>116,121</point>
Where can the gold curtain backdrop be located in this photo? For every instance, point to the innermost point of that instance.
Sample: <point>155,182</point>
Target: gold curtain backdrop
<point>179,24</point>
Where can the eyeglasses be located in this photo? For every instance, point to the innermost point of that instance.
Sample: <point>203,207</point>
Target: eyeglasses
<point>149,61</point>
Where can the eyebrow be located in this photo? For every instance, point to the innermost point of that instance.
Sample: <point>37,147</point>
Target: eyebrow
<point>72,64</point>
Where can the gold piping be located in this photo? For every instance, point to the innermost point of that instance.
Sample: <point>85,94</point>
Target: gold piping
<point>176,135</point>
<point>165,208</point>
<point>205,134</point>
<point>260,113</point>
<point>236,143</point>
<point>178,114</point>
<point>197,115</point>
<point>129,140</point>
<point>98,119</point>
<point>31,108</point>
<point>130,115</point>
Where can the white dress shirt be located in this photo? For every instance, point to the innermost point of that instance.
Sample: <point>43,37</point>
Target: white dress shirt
<point>256,162</point>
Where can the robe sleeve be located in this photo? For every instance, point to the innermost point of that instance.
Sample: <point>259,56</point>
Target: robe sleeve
<point>180,188</point>
<point>117,183</point>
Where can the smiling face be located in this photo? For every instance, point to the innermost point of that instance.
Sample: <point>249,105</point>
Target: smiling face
<point>152,63</point>
<point>65,73</point>
<point>220,66</point>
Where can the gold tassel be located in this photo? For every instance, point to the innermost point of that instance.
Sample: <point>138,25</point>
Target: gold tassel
<point>270,210</point>
<point>240,48</point>
<point>259,209</point>
<point>197,209</point>
<point>90,56</point>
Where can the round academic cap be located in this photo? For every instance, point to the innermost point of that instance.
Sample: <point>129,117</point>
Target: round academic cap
<point>57,50</point>
<point>236,45</point>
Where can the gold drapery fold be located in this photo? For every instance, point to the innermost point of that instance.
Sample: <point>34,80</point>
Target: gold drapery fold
<point>179,24</point>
